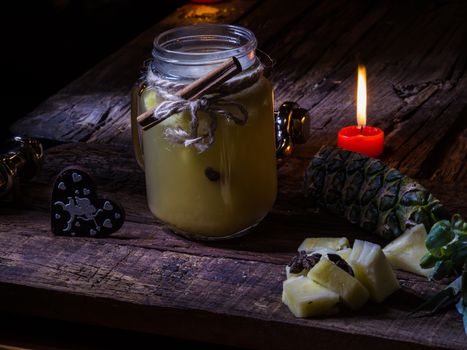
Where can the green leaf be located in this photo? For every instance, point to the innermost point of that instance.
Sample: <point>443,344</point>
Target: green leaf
<point>438,237</point>
<point>442,299</point>
<point>459,256</point>
<point>438,211</point>
<point>428,261</point>
<point>442,269</point>
<point>462,309</point>
<point>447,246</point>
<point>456,285</point>
<point>461,306</point>
<point>459,227</point>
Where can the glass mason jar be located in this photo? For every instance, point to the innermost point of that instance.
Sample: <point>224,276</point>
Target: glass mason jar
<point>227,189</point>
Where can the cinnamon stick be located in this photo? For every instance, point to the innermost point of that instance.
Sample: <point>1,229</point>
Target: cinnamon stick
<point>202,86</point>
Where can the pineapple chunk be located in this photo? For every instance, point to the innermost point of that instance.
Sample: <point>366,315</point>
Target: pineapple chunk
<point>306,298</point>
<point>406,251</point>
<point>373,269</point>
<point>315,243</point>
<point>332,277</point>
<point>344,253</point>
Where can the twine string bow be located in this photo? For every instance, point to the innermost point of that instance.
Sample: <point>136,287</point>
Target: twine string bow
<point>217,105</point>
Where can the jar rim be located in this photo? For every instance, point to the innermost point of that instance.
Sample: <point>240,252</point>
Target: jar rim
<point>203,45</point>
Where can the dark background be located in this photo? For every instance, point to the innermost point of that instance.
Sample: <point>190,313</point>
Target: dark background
<point>41,334</point>
<point>48,43</point>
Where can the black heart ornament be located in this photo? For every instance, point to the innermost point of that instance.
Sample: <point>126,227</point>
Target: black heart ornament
<point>76,210</point>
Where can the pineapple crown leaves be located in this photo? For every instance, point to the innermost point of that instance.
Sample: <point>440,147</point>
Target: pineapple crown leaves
<point>447,248</point>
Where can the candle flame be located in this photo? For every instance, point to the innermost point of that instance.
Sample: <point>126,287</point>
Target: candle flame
<point>361,96</point>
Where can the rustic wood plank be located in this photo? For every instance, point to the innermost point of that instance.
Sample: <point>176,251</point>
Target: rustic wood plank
<point>421,48</point>
<point>440,38</point>
<point>368,26</point>
<point>265,245</point>
<point>95,107</point>
<point>314,44</point>
<point>229,292</point>
<point>267,25</point>
<point>452,163</point>
<point>118,177</point>
<point>160,282</point>
<point>271,244</point>
<point>406,121</point>
<point>117,174</point>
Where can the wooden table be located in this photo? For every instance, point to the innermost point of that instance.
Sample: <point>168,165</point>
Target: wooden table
<point>145,278</point>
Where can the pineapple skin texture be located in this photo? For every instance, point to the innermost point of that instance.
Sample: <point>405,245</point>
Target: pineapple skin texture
<point>353,294</point>
<point>369,193</point>
<point>314,243</point>
<point>406,251</point>
<point>373,270</point>
<point>306,298</point>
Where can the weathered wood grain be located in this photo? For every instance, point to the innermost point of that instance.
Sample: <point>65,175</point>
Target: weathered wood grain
<point>95,107</point>
<point>229,292</point>
<point>134,268</point>
<point>414,53</point>
<point>422,50</point>
<point>451,164</point>
<point>118,175</point>
<point>158,281</point>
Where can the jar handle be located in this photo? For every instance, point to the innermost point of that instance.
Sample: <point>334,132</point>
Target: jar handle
<point>292,128</point>
<point>135,130</point>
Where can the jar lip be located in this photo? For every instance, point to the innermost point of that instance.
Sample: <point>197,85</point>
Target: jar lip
<point>173,46</point>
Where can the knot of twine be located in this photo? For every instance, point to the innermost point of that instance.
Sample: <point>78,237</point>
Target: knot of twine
<point>214,105</point>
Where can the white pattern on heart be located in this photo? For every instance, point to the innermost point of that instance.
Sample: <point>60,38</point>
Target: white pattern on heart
<point>76,177</point>
<point>108,206</point>
<point>107,223</point>
<point>77,202</point>
<point>78,208</point>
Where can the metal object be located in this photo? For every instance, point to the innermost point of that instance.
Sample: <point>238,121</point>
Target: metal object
<point>291,128</point>
<point>21,161</point>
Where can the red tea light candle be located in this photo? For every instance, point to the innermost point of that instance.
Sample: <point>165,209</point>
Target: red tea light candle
<point>368,141</point>
<point>361,138</point>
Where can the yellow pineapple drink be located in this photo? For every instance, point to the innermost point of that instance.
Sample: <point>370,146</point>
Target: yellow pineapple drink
<point>224,190</point>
